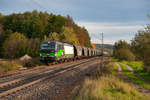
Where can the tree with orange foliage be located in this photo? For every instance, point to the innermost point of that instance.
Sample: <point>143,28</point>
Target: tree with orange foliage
<point>93,45</point>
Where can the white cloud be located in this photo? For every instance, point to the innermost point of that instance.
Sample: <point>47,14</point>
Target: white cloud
<point>112,31</point>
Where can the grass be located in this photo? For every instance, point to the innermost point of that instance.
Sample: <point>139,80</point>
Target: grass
<point>136,65</point>
<point>6,66</point>
<point>114,69</point>
<point>109,87</point>
<point>138,68</point>
<point>134,78</point>
<point>113,59</point>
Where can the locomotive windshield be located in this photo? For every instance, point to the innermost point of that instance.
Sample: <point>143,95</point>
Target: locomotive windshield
<point>47,45</point>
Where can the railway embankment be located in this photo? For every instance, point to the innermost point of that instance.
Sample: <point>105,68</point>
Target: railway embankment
<point>49,83</point>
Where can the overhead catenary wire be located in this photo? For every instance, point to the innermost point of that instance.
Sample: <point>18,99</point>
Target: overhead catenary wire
<point>40,5</point>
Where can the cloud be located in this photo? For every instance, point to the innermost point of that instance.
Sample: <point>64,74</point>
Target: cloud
<point>112,17</point>
<point>113,31</point>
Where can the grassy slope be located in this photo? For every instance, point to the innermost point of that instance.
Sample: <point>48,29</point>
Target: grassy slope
<point>109,87</point>
<point>138,68</point>
<point>134,78</point>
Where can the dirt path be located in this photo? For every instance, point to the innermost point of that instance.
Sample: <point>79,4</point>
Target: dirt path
<point>126,79</point>
<point>138,76</point>
<point>119,68</point>
<point>129,68</point>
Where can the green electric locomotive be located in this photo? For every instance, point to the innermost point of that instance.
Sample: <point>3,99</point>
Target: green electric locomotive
<point>55,51</point>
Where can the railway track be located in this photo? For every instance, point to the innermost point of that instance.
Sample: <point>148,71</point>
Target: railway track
<point>16,85</point>
<point>8,78</point>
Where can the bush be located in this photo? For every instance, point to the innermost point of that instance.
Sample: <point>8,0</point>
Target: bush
<point>125,54</point>
<point>32,62</point>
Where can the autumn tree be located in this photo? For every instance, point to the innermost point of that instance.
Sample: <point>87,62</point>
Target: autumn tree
<point>68,35</point>
<point>14,46</point>
<point>54,36</point>
<point>93,46</point>
<point>36,27</point>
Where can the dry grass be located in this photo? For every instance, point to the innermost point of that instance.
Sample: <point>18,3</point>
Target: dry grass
<point>109,87</point>
<point>134,78</point>
<point>6,66</point>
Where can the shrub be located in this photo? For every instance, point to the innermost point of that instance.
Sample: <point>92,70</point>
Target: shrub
<point>32,62</point>
<point>125,54</point>
<point>28,63</point>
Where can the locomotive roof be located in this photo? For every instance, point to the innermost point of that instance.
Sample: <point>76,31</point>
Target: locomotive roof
<point>51,41</point>
<point>69,44</point>
<point>57,42</point>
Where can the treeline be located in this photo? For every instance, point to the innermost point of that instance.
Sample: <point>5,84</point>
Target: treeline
<point>22,33</point>
<point>138,49</point>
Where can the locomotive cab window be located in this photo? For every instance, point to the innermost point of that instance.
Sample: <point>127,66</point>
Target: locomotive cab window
<point>47,45</point>
<point>59,46</point>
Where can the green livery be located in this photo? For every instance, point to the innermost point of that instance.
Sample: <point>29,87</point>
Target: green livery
<point>52,50</point>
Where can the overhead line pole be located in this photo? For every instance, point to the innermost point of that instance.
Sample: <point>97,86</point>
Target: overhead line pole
<point>102,48</point>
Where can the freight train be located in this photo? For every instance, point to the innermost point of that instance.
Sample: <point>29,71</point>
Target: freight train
<point>51,51</point>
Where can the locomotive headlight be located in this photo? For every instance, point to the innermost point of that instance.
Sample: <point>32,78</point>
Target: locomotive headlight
<point>55,54</point>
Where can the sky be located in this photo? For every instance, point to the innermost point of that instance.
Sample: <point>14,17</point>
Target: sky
<point>117,19</point>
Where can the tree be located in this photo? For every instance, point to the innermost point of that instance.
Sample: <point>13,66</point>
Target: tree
<point>82,35</point>
<point>93,45</point>
<point>125,54</point>
<point>1,17</point>
<point>69,21</point>
<point>3,36</point>
<point>42,25</point>
<point>1,29</point>
<point>31,24</point>
<point>122,51</point>
<point>141,45</point>
<point>87,42</point>
<point>33,47</point>
<point>55,24</point>
<point>54,36</point>
<point>15,45</point>
<point>68,35</point>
